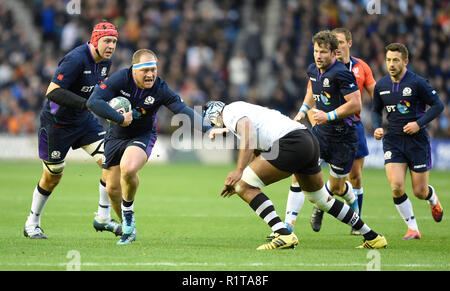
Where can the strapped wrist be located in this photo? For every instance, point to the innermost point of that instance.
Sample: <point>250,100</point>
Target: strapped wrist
<point>332,115</point>
<point>305,108</point>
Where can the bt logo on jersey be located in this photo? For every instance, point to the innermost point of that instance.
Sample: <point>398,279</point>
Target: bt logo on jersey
<point>87,89</point>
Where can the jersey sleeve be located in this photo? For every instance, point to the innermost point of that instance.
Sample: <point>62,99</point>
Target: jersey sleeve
<point>104,92</point>
<point>347,82</point>
<point>232,113</point>
<point>368,75</point>
<point>175,104</point>
<point>377,108</point>
<point>430,97</point>
<point>171,99</point>
<point>68,71</point>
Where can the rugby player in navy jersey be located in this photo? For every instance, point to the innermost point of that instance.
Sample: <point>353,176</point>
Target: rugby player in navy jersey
<point>406,144</point>
<point>131,136</point>
<point>333,90</point>
<point>66,123</point>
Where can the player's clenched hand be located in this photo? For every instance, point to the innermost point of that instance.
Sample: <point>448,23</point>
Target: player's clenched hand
<point>378,133</point>
<point>230,181</point>
<point>320,117</point>
<point>217,131</point>
<point>128,118</point>
<point>411,128</point>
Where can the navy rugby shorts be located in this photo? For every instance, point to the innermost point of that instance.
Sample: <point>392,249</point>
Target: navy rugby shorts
<point>338,151</point>
<point>415,150</point>
<point>296,152</point>
<point>115,147</point>
<point>55,140</point>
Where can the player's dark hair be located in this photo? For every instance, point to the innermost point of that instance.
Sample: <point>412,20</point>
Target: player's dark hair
<point>344,31</point>
<point>325,37</point>
<point>398,47</point>
<point>137,55</point>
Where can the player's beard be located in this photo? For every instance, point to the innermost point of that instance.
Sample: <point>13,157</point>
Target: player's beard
<point>395,73</point>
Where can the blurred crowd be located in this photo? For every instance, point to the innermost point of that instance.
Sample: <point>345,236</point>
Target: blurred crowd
<point>213,49</point>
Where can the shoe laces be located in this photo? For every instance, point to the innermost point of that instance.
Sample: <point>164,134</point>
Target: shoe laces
<point>36,230</point>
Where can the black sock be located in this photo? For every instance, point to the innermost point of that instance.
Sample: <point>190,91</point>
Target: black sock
<point>351,218</point>
<point>263,206</point>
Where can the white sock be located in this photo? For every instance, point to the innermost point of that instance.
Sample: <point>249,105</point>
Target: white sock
<point>404,207</point>
<point>359,193</point>
<point>104,205</point>
<point>40,197</point>
<point>349,196</point>
<point>295,201</point>
<point>432,198</point>
<point>127,205</point>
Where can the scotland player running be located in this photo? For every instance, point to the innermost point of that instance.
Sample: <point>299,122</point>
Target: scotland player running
<point>66,123</point>
<point>406,143</point>
<point>129,142</point>
<point>288,148</point>
<point>332,89</point>
<point>364,79</point>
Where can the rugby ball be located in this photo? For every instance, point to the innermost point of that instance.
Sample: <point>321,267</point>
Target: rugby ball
<point>120,104</point>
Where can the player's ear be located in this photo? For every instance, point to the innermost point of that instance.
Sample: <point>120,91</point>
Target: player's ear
<point>350,42</point>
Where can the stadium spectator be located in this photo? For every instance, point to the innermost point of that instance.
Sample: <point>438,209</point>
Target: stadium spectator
<point>172,27</point>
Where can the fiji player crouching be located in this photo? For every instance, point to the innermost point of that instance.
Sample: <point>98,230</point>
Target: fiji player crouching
<point>288,148</point>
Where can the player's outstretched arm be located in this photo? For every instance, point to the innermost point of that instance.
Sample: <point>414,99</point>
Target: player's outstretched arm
<point>196,119</point>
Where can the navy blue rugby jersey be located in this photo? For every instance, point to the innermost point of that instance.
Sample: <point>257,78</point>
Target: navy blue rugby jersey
<point>404,101</point>
<point>78,73</point>
<point>145,103</point>
<point>329,89</point>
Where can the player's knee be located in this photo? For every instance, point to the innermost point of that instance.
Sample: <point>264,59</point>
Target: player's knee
<point>114,190</point>
<point>241,187</point>
<point>320,198</point>
<point>252,179</point>
<point>96,150</point>
<point>397,189</point>
<point>128,171</point>
<point>337,188</point>
<point>54,169</point>
<point>355,179</point>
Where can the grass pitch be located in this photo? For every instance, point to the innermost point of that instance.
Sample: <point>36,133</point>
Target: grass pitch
<point>184,224</point>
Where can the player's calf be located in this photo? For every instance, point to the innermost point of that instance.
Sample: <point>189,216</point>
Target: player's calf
<point>340,211</point>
